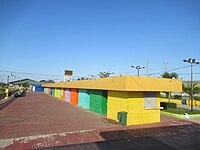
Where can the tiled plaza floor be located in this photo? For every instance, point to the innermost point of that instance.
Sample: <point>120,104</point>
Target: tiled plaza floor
<point>41,121</point>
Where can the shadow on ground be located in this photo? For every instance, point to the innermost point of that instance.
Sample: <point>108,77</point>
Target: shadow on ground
<point>181,137</point>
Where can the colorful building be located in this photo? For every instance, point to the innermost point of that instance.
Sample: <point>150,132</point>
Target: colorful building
<point>139,97</point>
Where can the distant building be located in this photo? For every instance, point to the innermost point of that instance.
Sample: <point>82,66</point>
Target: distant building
<point>2,84</point>
<point>24,81</point>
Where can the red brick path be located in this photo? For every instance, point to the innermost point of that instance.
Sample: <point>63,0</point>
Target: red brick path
<point>38,114</point>
<point>39,120</point>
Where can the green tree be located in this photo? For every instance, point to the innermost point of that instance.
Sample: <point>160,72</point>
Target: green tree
<point>82,78</point>
<point>50,81</point>
<point>105,74</point>
<point>173,75</point>
<point>25,84</point>
<point>170,75</point>
<point>43,81</point>
<point>166,75</point>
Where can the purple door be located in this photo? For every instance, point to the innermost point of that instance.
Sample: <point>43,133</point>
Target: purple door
<point>67,95</point>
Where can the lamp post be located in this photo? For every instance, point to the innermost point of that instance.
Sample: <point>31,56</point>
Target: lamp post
<point>191,61</point>
<point>138,69</point>
<point>8,78</point>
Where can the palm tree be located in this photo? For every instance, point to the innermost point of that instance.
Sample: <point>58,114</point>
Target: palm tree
<point>187,88</point>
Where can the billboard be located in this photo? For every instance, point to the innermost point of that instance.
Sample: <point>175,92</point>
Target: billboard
<point>68,73</point>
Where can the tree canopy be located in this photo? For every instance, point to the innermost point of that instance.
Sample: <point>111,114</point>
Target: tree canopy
<point>47,81</point>
<point>50,81</point>
<point>43,81</point>
<point>105,74</point>
<point>170,75</point>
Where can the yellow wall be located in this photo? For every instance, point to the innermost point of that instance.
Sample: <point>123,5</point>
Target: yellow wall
<point>133,103</point>
<point>195,103</point>
<point>117,101</point>
<point>171,100</point>
<point>56,92</point>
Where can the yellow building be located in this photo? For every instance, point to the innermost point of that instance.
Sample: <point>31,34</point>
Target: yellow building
<point>138,96</point>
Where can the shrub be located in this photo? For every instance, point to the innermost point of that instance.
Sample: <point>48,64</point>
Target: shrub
<point>171,105</point>
<point>197,98</point>
<point>2,90</point>
<point>163,104</point>
<point>166,105</point>
<point>178,97</point>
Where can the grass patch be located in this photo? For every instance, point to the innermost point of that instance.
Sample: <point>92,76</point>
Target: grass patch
<point>181,111</point>
<point>2,90</point>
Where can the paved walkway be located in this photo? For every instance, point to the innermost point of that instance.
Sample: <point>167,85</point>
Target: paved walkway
<point>41,121</point>
<point>39,113</point>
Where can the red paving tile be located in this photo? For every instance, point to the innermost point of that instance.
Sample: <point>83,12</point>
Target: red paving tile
<point>40,114</point>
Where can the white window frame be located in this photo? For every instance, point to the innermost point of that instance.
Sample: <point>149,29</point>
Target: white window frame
<point>150,100</point>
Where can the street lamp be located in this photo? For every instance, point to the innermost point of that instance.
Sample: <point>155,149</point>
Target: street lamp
<point>191,61</point>
<point>138,69</point>
<point>8,78</point>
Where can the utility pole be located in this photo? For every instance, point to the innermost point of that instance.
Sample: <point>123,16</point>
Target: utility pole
<point>165,66</point>
<point>147,68</point>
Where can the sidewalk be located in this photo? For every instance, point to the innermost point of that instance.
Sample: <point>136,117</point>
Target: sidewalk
<point>39,113</point>
<point>41,121</point>
<point>170,134</point>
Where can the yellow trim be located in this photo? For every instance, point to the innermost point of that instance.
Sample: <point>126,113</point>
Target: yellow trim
<point>124,83</point>
<point>179,116</point>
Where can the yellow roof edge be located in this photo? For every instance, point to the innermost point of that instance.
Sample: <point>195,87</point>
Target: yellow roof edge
<point>124,83</point>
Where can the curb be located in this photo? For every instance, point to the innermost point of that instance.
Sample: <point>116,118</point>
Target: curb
<point>6,102</point>
<point>179,116</point>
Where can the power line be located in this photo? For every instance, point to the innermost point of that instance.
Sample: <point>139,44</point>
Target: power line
<point>188,73</point>
<point>172,69</point>
<point>181,68</point>
<point>28,73</point>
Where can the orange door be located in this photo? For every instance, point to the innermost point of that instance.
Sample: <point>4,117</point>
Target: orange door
<point>74,96</point>
<point>49,91</point>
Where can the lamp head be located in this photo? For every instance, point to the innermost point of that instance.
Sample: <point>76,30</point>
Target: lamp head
<point>190,60</point>
<point>185,60</point>
<point>193,60</point>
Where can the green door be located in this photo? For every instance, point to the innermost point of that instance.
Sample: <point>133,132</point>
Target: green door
<point>98,101</point>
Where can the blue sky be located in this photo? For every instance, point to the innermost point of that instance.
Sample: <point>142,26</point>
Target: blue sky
<point>89,36</point>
